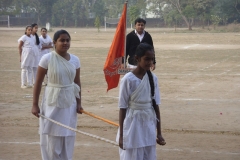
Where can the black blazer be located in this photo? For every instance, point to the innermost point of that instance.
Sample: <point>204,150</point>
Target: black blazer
<point>132,43</point>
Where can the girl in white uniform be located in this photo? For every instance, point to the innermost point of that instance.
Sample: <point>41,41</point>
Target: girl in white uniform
<point>27,57</point>
<point>36,49</point>
<point>46,44</point>
<point>139,114</point>
<point>61,100</point>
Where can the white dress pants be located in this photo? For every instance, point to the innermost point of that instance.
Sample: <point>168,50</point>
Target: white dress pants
<point>34,74</point>
<point>26,76</point>
<point>144,153</point>
<point>56,147</point>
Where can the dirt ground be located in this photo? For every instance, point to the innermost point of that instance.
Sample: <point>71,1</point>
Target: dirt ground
<point>199,78</point>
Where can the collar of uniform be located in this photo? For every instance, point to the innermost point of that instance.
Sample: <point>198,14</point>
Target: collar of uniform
<point>139,34</point>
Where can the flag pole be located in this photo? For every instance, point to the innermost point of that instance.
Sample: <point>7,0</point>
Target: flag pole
<point>125,38</point>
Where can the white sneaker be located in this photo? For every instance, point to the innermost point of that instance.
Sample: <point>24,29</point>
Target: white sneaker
<point>44,84</point>
<point>24,86</point>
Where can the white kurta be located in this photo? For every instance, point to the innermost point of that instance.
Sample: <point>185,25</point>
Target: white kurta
<point>45,42</point>
<point>139,127</point>
<point>36,50</point>
<point>28,56</point>
<point>67,115</point>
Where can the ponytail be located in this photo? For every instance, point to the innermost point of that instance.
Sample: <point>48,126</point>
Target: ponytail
<point>37,39</point>
<point>36,35</point>
<point>150,76</point>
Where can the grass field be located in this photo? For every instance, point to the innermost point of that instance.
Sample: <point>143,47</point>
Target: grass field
<point>199,78</point>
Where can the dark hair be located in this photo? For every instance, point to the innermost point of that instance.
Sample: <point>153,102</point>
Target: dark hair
<point>142,48</point>
<point>44,29</point>
<point>58,33</point>
<point>27,28</point>
<point>150,76</point>
<point>36,35</point>
<point>140,20</point>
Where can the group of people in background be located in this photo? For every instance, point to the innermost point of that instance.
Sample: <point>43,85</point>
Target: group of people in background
<point>31,49</point>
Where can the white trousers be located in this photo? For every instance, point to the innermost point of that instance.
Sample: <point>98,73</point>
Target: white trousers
<point>34,74</point>
<point>56,147</point>
<point>26,76</point>
<point>144,153</point>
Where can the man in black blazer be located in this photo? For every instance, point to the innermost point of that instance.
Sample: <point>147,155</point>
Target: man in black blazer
<point>134,38</point>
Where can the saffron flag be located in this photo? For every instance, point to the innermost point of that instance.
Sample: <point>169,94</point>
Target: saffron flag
<point>116,52</point>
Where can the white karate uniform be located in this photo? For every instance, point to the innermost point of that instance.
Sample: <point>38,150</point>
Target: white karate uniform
<point>139,126</point>
<point>56,141</point>
<point>27,59</point>
<point>45,42</point>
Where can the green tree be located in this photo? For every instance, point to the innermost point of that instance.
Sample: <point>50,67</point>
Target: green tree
<point>190,13</point>
<point>114,8</point>
<point>172,18</point>
<point>157,8</point>
<point>140,5</point>
<point>6,7</point>
<point>39,9</point>
<point>133,14</point>
<point>179,6</point>
<point>215,20</point>
<point>229,9</point>
<point>79,10</point>
<point>202,8</point>
<point>99,9</point>
<point>62,11</point>
<point>183,7</point>
<point>97,23</point>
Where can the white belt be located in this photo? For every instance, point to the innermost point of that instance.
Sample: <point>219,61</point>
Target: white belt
<point>76,87</point>
<point>140,106</point>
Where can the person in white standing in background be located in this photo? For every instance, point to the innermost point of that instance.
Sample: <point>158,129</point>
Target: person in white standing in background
<point>27,57</point>
<point>46,44</point>
<point>36,49</point>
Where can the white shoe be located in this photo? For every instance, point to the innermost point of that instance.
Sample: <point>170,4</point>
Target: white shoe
<point>44,84</point>
<point>30,86</point>
<point>24,86</point>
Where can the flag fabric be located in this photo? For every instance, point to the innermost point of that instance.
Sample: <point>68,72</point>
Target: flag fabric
<point>116,52</point>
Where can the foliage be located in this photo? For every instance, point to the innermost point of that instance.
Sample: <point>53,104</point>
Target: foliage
<point>215,20</point>
<point>140,5</point>
<point>63,12</point>
<point>79,10</point>
<point>97,23</point>
<point>189,12</point>
<point>172,18</point>
<point>133,13</point>
<point>99,9</point>
<point>227,9</point>
<point>6,7</point>
<point>114,8</point>
<point>157,7</point>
